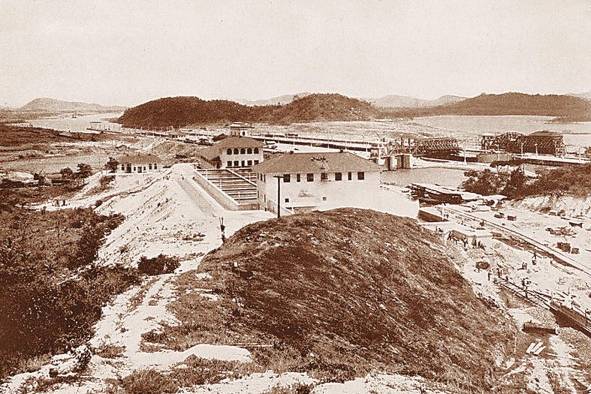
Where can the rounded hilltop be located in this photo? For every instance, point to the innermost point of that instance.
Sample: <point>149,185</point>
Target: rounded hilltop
<point>183,111</point>
<point>348,291</point>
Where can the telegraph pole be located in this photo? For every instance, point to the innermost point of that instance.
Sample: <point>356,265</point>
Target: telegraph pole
<point>278,194</point>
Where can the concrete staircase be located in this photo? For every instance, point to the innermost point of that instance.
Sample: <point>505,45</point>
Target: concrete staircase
<point>238,186</point>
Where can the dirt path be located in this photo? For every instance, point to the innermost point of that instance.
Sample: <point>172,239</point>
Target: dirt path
<point>172,215</point>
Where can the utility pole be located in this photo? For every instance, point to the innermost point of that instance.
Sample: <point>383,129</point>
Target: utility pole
<point>278,194</point>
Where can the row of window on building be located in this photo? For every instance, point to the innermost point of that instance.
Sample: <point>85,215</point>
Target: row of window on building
<point>243,163</point>
<point>150,167</point>
<point>243,151</point>
<point>338,176</point>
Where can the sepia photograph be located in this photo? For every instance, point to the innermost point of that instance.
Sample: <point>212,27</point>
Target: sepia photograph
<point>295,197</point>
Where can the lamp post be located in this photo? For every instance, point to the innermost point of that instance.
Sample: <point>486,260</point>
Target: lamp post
<point>278,194</point>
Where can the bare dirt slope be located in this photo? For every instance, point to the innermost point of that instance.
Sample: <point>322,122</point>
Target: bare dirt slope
<point>353,290</point>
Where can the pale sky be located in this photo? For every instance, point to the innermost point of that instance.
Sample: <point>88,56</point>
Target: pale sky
<point>128,52</point>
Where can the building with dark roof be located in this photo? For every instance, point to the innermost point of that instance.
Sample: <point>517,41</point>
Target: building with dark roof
<point>234,152</point>
<point>139,163</point>
<point>316,180</point>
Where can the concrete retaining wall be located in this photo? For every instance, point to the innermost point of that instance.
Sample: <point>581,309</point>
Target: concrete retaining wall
<point>222,198</point>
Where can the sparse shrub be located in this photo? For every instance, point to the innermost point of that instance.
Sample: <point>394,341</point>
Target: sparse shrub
<point>484,182</point>
<point>112,165</point>
<point>571,180</point>
<point>158,265</point>
<point>84,170</point>
<point>109,351</point>
<point>297,388</point>
<point>67,173</point>
<point>105,181</point>
<point>195,371</point>
<point>148,381</point>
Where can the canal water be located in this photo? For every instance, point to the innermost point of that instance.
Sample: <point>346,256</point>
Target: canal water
<point>77,124</point>
<point>441,176</point>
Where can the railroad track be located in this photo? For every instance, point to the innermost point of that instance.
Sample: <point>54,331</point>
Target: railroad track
<point>575,316</point>
<point>557,255</point>
<point>535,297</point>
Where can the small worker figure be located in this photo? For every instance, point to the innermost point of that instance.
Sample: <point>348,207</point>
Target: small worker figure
<point>489,275</point>
<point>524,266</point>
<point>223,229</point>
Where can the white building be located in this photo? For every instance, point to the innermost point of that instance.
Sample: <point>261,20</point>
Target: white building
<point>316,181</point>
<point>240,129</point>
<point>234,152</point>
<point>139,163</point>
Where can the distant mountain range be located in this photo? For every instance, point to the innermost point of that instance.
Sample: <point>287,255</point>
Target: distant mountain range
<point>390,101</point>
<point>395,101</point>
<point>564,107</point>
<point>586,95</point>
<point>279,100</point>
<point>183,111</point>
<point>54,105</point>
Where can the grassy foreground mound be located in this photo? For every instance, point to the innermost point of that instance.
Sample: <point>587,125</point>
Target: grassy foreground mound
<point>349,291</point>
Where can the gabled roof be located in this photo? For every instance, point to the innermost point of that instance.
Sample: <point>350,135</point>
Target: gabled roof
<point>238,142</point>
<point>139,158</point>
<point>315,163</point>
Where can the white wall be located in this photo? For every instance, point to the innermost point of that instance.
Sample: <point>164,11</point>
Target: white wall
<point>319,194</point>
<point>145,168</point>
<point>225,157</point>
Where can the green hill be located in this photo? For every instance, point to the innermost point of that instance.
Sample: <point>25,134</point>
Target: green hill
<point>563,107</point>
<point>183,111</point>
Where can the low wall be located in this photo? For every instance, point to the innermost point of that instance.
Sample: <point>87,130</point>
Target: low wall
<point>490,157</point>
<point>271,206</point>
<point>222,198</point>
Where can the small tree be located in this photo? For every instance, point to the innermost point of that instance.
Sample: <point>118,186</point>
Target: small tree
<point>158,265</point>
<point>485,182</point>
<point>67,173</point>
<point>516,185</point>
<point>112,165</point>
<point>84,170</point>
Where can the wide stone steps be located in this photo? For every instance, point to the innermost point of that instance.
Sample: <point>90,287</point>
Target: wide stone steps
<point>236,184</point>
